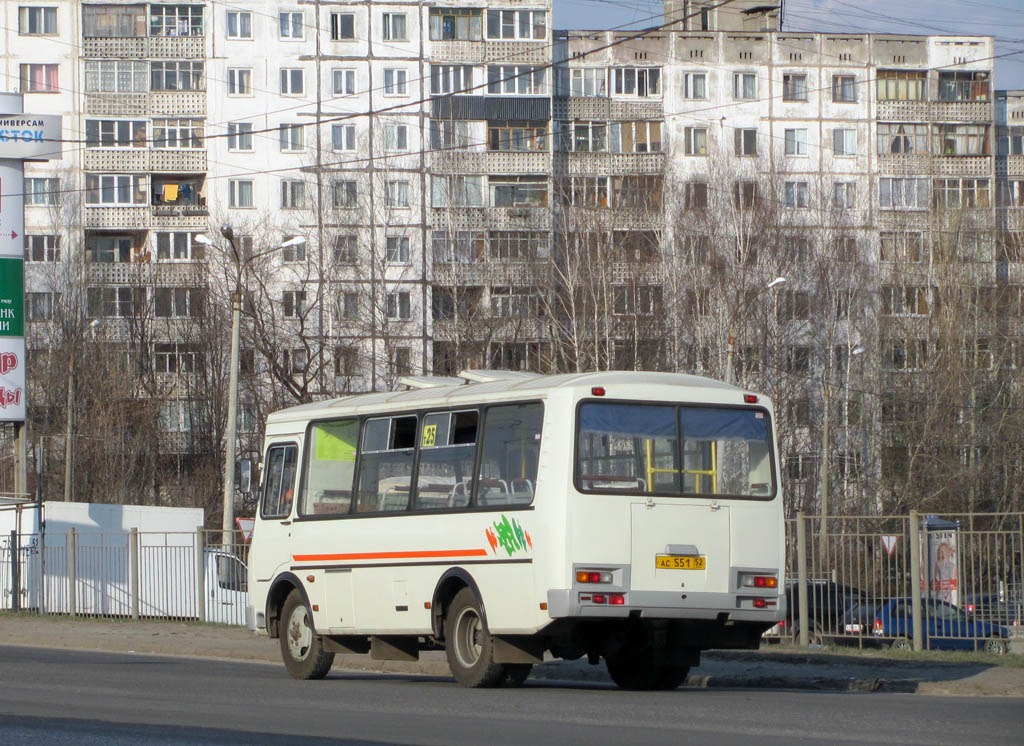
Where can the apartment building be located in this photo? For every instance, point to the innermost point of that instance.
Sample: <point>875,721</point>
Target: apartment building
<point>421,187</point>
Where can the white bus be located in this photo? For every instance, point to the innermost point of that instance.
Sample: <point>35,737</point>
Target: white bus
<point>625,515</point>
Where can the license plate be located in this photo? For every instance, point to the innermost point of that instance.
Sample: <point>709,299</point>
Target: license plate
<point>680,562</point>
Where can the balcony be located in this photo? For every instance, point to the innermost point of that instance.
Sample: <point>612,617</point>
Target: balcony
<point>1015,165</point>
<point>508,52</point>
<point>153,47</point>
<point>905,111</point>
<point>177,161</point>
<point>118,217</point>
<point>464,52</point>
<point>178,103</point>
<point>121,160</point>
<point>194,217</point>
<point>963,165</point>
<point>616,163</point>
<point>904,165</point>
<point>961,111</point>
<point>117,104</point>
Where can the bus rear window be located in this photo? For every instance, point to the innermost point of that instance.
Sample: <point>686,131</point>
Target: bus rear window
<point>674,450</point>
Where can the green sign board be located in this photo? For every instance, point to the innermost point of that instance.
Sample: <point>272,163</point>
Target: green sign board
<point>12,297</point>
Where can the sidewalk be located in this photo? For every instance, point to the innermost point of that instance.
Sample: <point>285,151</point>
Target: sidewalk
<point>772,667</point>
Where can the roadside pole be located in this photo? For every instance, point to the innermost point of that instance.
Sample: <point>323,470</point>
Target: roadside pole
<point>801,571</point>
<point>915,579</point>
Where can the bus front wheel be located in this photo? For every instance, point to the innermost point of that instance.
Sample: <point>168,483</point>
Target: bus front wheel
<point>468,643</point>
<point>301,648</point>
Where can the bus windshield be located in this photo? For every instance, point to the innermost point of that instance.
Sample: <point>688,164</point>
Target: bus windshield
<point>674,450</point>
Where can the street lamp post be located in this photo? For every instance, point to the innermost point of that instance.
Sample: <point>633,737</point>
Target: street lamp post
<point>230,436</point>
<point>732,325</point>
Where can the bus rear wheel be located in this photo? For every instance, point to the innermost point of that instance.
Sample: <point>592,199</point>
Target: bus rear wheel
<point>301,648</point>
<point>638,672</point>
<point>468,643</point>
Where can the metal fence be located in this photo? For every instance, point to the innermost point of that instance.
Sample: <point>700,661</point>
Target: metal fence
<point>126,574</point>
<point>914,581</point>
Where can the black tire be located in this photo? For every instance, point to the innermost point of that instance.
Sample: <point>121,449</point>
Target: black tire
<point>468,644</point>
<point>301,648</point>
<point>815,635</point>
<point>903,643</point>
<point>638,672</point>
<point>994,646</point>
<point>516,674</point>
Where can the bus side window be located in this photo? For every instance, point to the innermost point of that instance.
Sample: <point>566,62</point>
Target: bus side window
<point>447,452</point>
<point>279,486</point>
<point>331,467</point>
<point>385,465</point>
<point>511,448</point>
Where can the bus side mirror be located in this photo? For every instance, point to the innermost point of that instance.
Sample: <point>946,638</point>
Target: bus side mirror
<point>244,480</point>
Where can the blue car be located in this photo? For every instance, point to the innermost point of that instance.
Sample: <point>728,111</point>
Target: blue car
<point>943,627</point>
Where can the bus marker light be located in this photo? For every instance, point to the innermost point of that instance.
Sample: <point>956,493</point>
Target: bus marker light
<point>749,399</point>
<point>426,604</point>
<point>597,390</point>
<point>311,578</point>
<point>543,605</point>
<point>316,607</point>
<point>599,598</point>
<point>760,603</point>
<point>616,599</point>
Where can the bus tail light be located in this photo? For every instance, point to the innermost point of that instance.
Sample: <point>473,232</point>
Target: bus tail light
<point>617,599</point>
<point>750,580</point>
<point>760,603</point>
<point>597,391</point>
<point>593,576</point>
<point>599,598</point>
<point>750,399</point>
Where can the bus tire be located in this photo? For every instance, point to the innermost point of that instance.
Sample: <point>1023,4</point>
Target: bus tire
<point>301,648</point>
<point>516,673</point>
<point>468,643</point>
<point>637,672</point>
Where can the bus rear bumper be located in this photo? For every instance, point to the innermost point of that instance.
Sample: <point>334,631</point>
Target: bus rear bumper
<point>722,607</point>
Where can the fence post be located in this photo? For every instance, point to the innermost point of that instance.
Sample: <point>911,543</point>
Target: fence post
<point>801,572</point>
<point>200,574</point>
<point>133,552</point>
<point>72,584</point>
<point>915,580</point>
<point>15,572</point>
<point>42,570</point>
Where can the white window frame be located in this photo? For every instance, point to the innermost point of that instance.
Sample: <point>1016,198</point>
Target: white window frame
<point>398,305</point>
<point>291,25</point>
<point>588,82</point>
<point>291,137</point>
<point>240,16</point>
<point>515,24</point>
<point>336,27</point>
<point>797,195</point>
<point>620,77</point>
<point>396,138</point>
<point>844,141</point>
<point>44,14</point>
<point>351,192</point>
<point>397,249</point>
<point>844,194</point>
<point>796,143</point>
<point>344,81</point>
<point>896,199</point>
<point>696,141</point>
<point>396,81</point>
<point>240,137</point>
<point>293,81</point>
<point>293,194</point>
<point>237,191</point>
<point>240,81</point>
<point>343,135</point>
<point>794,87</point>
<point>744,86</point>
<point>839,89</point>
<point>397,194</point>
<point>692,90</point>
<point>106,76</point>
<point>118,186</point>
<point>389,23</point>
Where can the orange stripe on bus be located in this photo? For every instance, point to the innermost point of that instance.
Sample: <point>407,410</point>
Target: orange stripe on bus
<point>390,555</point>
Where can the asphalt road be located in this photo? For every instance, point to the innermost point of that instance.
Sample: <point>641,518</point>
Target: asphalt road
<point>57,697</point>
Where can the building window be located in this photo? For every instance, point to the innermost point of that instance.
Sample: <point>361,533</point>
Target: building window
<point>695,85</point>
<point>293,194</point>
<point>344,82</point>
<point>526,80</point>
<point>292,25</point>
<point>394,27</point>
<point>798,359</point>
<point>349,305</point>
<point>696,195</point>
<point>239,81</point>
<point>457,191</point>
<point>115,302</point>
<point>178,133</point>
<point>589,137</point>
<point>292,303</point>
<point>796,142</point>
<point>902,247</point>
<point>904,301</point>
<point>696,140</point>
<point>116,76</point>
<point>399,361</point>
<point>456,24</point>
<point>793,305</point>
<point>507,302</point>
<point>290,136</point>
<point>344,250</point>
<point>843,89</point>
<point>844,141</point>
<point>394,81</point>
<point>961,139</point>
<point>295,361</point>
<point>844,195</point>
<point>521,137</point>
<point>398,194</point>
<point>909,193</point>
<point>744,86</point>
<point>900,85</point>
<point>175,20</point>
<point>240,193</point>
<point>115,133</point>
<point>451,79</point>
<point>466,246</point>
<point>396,137</point>
<point>588,82</point>
<point>796,194</point>
<point>516,24</point>
<point>744,194</point>
<point>292,81</point>
<point>397,250</point>
<point>40,306</point>
<point>113,21</point>
<point>640,137</point>
<point>177,75</point>
<point>343,136</point>
<point>343,26</point>
<point>954,193</point>
<point>115,189</point>
<point>963,86</point>
<point>42,248</point>
<point>904,354</point>
<point>448,134</point>
<point>398,306</point>
<point>344,194</point>
<point>518,191</point>
<point>794,87</point>
<point>41,78</point>
<point>37,21</point>
<point>508,246</point>
<point>293,252</point>
<point>177,303</point>
<point>175,417</point>
<point>239,24</point>
<point>178,247</point>
<point>346,361</point>
<point>902,139</point>
<point>109,249</point>
<point>1012,143</point>
<point>641,82</point>
<point>746,142</point>
<point>239,135</point>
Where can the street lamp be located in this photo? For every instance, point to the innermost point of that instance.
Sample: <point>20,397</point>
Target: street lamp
<point>228,518</point>
<point>732,323</point>
<point>69,453</point>
<point>823,475</point>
